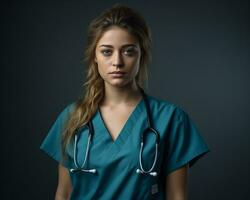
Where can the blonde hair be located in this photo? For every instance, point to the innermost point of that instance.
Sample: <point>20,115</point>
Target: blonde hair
<point>93,89</point>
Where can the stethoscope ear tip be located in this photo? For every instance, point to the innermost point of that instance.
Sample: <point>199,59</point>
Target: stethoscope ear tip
<point>153,173</point>
<point>138,171</point>
<point>92,171</point>
<point>72,170</point>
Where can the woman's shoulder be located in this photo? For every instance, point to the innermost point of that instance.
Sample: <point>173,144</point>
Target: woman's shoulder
<point>159,104</point>
<point>163,102</point>
<point>67,109</point>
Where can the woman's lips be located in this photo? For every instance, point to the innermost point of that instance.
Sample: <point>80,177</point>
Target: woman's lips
<point>117,74</point>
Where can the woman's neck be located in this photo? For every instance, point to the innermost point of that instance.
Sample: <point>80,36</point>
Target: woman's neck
<point>115,96</point>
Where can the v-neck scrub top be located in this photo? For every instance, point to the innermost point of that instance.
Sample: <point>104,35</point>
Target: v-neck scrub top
<point>116,160</point>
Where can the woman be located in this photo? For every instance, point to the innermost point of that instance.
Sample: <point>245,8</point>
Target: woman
<point>113,164</point>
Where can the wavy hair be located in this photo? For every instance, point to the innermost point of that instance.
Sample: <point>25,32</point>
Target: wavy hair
<point>93,88</point>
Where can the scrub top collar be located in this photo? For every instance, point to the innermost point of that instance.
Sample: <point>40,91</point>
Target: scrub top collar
<point>116,145</point>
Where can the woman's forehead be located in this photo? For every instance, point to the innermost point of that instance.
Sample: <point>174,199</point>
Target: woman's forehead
<point>117,36</point>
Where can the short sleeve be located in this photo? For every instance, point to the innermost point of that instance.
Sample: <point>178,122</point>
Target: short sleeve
<point>185,144</point>
<point>51,144</point>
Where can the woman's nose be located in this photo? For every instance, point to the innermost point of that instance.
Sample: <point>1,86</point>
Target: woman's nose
<point>117,59</point>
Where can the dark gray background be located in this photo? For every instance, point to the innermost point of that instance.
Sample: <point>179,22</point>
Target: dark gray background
<point>200,62</point>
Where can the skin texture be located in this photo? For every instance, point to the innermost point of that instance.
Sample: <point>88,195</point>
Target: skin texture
<point>118,57</point>
<point>64,186</point>
<point>121,96</point>
<point>118,50</point>
<point>177,184</point>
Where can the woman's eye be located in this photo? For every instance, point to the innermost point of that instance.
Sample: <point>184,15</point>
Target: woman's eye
<point>106,52</point>
<point>129,51</point>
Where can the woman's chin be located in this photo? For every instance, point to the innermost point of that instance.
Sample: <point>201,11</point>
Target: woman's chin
<point>118,83</point>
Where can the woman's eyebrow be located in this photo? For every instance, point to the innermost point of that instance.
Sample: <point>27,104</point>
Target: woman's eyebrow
<point>125,45</point>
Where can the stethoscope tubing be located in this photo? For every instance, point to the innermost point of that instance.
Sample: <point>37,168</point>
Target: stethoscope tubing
<point>139,171</point>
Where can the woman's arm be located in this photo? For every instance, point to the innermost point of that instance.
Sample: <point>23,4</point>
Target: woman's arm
<point>177,184</point>
<point>64,186</point>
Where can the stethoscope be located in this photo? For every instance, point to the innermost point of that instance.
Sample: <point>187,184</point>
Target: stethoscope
<point>140,170</point>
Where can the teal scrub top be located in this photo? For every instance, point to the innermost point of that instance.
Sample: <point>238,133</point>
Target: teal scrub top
<point>116,160</point>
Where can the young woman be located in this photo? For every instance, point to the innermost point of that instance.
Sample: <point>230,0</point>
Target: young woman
<point>116,141</point>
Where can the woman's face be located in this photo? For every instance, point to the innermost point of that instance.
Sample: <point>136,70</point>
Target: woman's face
<point>117,50</point>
